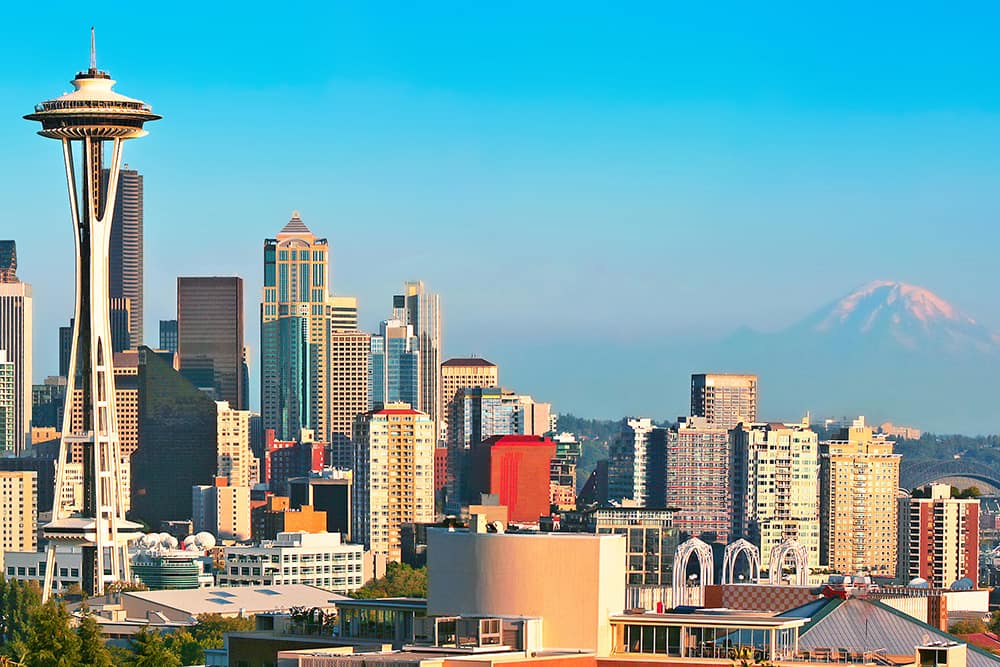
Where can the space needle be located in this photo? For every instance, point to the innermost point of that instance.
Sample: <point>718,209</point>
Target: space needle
<point>89,121</point>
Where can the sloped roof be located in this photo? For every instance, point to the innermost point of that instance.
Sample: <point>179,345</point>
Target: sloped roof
<point>295,226</point>
<point>227,600</point>
<point>869,625</point>
<point>468,361</point>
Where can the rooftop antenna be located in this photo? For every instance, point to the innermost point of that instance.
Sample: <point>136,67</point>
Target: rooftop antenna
<point>93,50</point>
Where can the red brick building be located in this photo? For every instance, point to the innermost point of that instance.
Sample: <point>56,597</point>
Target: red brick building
<point>515,468</point>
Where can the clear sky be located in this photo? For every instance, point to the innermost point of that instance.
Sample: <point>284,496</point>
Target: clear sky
<point>603,174</point>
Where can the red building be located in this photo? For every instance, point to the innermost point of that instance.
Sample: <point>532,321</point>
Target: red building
<point>515,468</point>
<point>440,468</point>
<point>940,537</point>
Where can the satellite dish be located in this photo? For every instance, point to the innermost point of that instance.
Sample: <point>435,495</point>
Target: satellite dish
<point>925,639</point>
<point>919,583</point>
<point>963,584</point>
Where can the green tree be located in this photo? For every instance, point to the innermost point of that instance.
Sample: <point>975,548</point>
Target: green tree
<point>967,627</point>
<point>183,644</point>
<point>51,640</point>
<point>150,650</point>
<point>211,629</point>
<point>400,580</point>
<point>19,601</point>
<point>93,651</point>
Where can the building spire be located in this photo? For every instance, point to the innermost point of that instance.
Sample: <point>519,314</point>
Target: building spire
<point>93,50</point>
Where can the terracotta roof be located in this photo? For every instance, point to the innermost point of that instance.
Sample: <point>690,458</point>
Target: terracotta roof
<point>986,640</point>
<point>468,361</point>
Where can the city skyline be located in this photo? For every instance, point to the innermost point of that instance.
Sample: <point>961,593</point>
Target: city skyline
<point>678,145</point>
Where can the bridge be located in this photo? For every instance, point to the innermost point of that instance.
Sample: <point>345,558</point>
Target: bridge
<point>912,475</point>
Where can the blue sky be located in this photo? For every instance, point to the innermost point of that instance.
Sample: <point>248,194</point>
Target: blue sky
<point>615,173</point>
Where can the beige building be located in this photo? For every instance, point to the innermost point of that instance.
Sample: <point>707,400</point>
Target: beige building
<point>859,483</point>
<point>532,417</point>
<point>236,461</point>
<point>462,373</point>
<point>349,351</point>
<point>18,499</point>
<point>573,581</point>
<point>222,510</point>
<point>773,485</point>
<point>724,399</point>
<point>343,311</point>
<point>395,476</point>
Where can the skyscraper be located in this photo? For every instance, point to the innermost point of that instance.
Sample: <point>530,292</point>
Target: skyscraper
<point>859,482</point>
<point>421,309</point>
<point>349,351</point>
<point>394,476</point>
<point>343,312</point>
<point>394,366</point>
<point>18,511</point>
<point>92,116</point>
<point>697,480</point>
<point>236,461</point>
<point>8,261</point>
<point>65,348</point>
<point>295,332</point>
<point>210,335</point>
<point>724,399</point>
<point>120,311</point>
<point>477,414</point>
<point>9,425</point>
<point>15,339</point>
<point>168,335</point>
<point>627,461</point>
<point>773,479</point>
<point>460,373</point>
<point>125,252</point>
<point>177,442</point>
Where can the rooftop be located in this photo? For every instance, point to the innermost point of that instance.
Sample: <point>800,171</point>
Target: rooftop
<point>295,227</point>
<point>248,599</point>
<point>468,361</point>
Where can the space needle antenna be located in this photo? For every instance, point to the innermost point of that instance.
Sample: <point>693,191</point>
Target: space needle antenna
<point>93,50</point>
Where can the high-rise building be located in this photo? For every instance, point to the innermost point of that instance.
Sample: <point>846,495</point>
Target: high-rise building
<point>9,425</point>
<point>477,414</point>
<point>125,253</point>
<point>516,469</point>
<point>562,471</point>
<point>724,399</point>
<point>48,400</point>
<point>533,418</point>
<point>343,313</point>
<point>859,484</point>
<point>697,480</point>
<point>120,312</point>
<point>91,117</point>
<point>628,461</point>
<point>168,335</point>
<point>349,351</point>
<point>8,261</point>
<point>773,485</point>
<point>210,335</point>
<point>394,471</point>
<point>65,348</point>
<point>394,366</point>
<point>177,442</point>
<point>18,511</point>
<point>295,332</point>
<point>462,373</point>
<point>236,461</point>
<point>222,510</point>
<point>938,537</point>
<point>421,310</point>
<point>15,339</point>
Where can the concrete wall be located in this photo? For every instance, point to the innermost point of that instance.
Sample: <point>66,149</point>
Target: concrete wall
<point>572,581</point>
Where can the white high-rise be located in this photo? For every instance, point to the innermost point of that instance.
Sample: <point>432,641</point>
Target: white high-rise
<point>15,340</point>
<point>628,461</point>
<point>87,122</point>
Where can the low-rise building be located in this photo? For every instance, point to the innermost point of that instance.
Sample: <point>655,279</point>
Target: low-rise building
<point>314,559</point>
<point>277,516</point>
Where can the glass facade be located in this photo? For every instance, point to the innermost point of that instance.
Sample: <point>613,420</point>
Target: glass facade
<point>286,383</point>
<point>177,436</point>
<point>210,333</point>
<point>394,367</point>
<point>719,642</point>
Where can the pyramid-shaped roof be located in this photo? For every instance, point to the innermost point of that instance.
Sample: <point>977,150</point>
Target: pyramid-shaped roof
<point>295,227</point>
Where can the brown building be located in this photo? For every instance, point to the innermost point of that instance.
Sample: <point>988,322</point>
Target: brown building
<point>462,373</point>
<point>724,399</point>
<point>210,336</point>
<point>277,516</point>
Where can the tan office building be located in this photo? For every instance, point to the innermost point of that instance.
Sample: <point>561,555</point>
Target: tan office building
<point>236,461</point>
<point>724,399</point>
<point>18,499</point>
<point>463,373</point>
<point>395,476</point>
<point>349,352</point>
<point>859,482</point>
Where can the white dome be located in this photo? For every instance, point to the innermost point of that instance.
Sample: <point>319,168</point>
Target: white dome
<point>205,540</point>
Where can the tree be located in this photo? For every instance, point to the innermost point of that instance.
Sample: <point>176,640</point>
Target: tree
<point>51,641</point>
<point>151,651</point>
<point>19,601</point>
<point>967,627</point>
<point>211,629</point>
<point>93,652</point>
<point>400,580</point>
<point>183,644</point>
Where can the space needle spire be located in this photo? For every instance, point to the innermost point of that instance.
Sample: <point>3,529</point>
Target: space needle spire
<point>87,121</point>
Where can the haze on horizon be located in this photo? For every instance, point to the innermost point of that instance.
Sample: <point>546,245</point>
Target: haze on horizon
<point>576,180</point>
